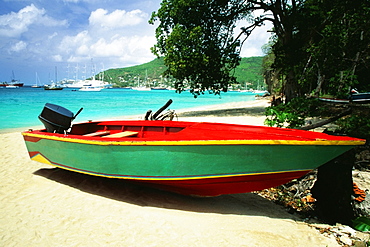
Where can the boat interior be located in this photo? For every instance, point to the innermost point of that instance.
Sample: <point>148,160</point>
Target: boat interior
<point>119,129</point>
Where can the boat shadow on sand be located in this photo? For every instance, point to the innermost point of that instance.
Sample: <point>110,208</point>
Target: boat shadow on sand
<point>137,194</point>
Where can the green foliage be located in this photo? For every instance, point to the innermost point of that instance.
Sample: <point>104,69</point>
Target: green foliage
<point>249,71</point>
<point>150,72</point>
<point>339,49</point>
<point>356,125</point>
<point>294,113</point>
<point>196,39</point>
<point>322,49</point>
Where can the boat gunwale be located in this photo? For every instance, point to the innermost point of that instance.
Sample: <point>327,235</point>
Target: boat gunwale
<point>128,141</point>
<point>192,134</point>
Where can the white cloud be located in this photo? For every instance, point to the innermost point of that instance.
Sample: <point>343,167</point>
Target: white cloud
<point>19,46</point>
<point>109,36</point>
<point>14,24</point>
<point>52,35</point>
<point>70,44</point>
<point>57,58</point>
<point>100,18</point>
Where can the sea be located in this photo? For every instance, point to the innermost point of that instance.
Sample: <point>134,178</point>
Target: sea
<point>22,106</point>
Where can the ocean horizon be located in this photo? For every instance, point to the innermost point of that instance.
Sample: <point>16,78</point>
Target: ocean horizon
<point>22,106</point>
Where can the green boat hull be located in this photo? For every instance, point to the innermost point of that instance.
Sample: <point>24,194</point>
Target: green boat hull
<point>154,162</point>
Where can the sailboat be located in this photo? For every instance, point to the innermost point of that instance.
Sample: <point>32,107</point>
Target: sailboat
<point>36,82</point>
<point>140,87</point>
<point>54,85</point>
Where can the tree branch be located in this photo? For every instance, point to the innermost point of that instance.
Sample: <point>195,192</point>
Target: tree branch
<point>332,119</point>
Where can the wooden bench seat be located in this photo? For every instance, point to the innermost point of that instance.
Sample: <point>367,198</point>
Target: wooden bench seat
<point>98,133</point>
<point>122,134</point>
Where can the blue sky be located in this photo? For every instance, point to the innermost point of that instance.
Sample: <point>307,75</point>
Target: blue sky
<point>79,37</point>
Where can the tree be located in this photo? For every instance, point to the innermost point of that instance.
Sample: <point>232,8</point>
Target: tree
<point>196,39</point>
<point>330,44</point>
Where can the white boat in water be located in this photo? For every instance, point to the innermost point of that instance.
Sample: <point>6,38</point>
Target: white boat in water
<point>11,86</point>
<point>90,89</point>
<point>141,88</point>
<point>85,83</point>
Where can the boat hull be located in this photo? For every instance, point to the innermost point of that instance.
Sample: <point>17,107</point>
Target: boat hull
<point>203,168</point>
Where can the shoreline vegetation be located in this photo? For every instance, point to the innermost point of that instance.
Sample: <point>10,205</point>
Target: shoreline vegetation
<point>42,205</point>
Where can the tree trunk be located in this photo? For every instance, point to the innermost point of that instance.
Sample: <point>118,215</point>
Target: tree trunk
<point>320,82</point>
<point>333,190</point>
<point>290,87</point>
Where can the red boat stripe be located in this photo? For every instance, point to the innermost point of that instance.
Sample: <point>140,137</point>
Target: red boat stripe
<point>31,138</point>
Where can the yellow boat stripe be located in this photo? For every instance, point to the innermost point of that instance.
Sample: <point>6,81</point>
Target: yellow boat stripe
<point>40,158</point>
<point>319,142</point>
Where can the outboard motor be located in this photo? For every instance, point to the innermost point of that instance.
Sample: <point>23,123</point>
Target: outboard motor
<point>57,119</point>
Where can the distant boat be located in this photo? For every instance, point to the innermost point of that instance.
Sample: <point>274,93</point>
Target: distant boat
<point>13,82</point>
<point>37,82</point>
<point>260,92</point>
<point>11,86</point>
<point>159,88</point>
<point>84,83</point>
<point>90,89</point>
<point>53,86</point>
<point>141,88</point>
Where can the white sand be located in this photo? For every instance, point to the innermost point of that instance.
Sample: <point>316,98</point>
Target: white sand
<point>44,206</point>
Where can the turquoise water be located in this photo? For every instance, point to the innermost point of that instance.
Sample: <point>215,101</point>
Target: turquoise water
<point>21,106</point>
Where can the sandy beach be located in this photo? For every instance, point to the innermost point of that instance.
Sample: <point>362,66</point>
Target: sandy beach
<point>45,206</point>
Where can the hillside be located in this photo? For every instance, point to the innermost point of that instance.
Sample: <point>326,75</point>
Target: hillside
<point>247,73</point>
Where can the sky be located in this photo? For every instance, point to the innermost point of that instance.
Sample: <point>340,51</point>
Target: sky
<point>45,40</point>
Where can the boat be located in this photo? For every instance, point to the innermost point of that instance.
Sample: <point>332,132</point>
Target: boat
<point>83,83</point>
<point>334,100</point>
<point>12,86</point>
<point>159,88</point>
<point>14,83</point>
<point>357,97</point>
<point>354,97</point>
<point>37,82</point>
<point>53,86</point>
<point>141,88</point>
<point>189,158</point>
<point>90,89</point>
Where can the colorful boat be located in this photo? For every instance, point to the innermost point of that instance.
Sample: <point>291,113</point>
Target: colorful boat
<point>360,97</point>
<point>354,97</point>
<point>191,158</point>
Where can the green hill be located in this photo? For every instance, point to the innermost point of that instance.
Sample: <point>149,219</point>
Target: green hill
<point>247,73</point>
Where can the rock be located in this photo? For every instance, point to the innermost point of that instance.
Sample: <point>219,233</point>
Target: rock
<point>358,243</point>
<point>345,240</point>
